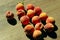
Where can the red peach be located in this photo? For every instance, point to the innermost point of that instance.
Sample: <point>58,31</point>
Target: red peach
<point>39,26</point>
<point>20,13</point>
<point>50,20</point>
<point>30,13</point>
<point>9,15</point>
<point>24,20</point>
<point>36,34</point>
<point>49,26</point>
<point>43,16</point>
<point>35,19</point>
<point>37,10</point>
<point>19,6</point>
<point>29,29</point>
<point>30,6</point>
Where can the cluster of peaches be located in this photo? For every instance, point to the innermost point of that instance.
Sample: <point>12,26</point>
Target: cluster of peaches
<point>33,19</point>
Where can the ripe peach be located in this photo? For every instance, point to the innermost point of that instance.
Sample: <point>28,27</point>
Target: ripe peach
<point>19,6</point>
<point>35,19</point>
<point>49,26</point>
<point>37,10</point>
<point>24,20</point>
<point>30,13</point>
<point>9,15</point>
<point>36,34</point>
<point>29,29</point>
<point>39,26</point>
<point>43,16</point>
<point>50,20</point>
<point>20,13</point>
<point>30,6</point>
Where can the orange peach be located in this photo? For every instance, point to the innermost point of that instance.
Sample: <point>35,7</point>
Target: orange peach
<point>49,26</point>
<point>29,29</point>
<point>36,34</point>
<point>35,19</point>
<point>30,13</point>
<point>43,16</point>
<point>37,10</point>
<point>30,6</point>
<point>50,20</point>
<point>19,6</point>
<point>24,20</point>
<point>39,26</point>
<point>9,15</point>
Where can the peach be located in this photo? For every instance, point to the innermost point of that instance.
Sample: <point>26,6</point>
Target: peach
<point>30,13</point>
<point>37,10</point>
<point>29,29</point>
<point>50,20</point>
<point>43,16</point>
<point>35,19</point>
<point>19,6</point>
<point>39,26</point>
<point>24,20</point>
<point>49,26</point>
<point>9,15</point>
<point>20,13</point>
<point>30,6</point>
<point>36,34</point>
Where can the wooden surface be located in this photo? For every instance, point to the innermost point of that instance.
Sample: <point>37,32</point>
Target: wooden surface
<point>15,32</point>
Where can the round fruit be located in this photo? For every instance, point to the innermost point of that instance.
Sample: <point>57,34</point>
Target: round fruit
<point>35,19</point>
<point>30,6</point>
<point>37,34</point>
<point>50,20</point>
<point>20,13</point>
<point>39,26</point>
<point>49,27</point>
<point>24,20</point>
<point>30,13</point>
<point>43,16</point>
<point>37,10</point>
<point>9,15</point>
<point>29,29</point>
<point>19,6</point>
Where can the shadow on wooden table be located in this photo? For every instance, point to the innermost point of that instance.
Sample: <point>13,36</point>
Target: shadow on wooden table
<point>12,21</point>
<point>55,27</point>
<point>52,34</point>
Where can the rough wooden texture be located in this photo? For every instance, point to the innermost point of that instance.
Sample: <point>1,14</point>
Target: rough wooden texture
<point>16,32</point>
